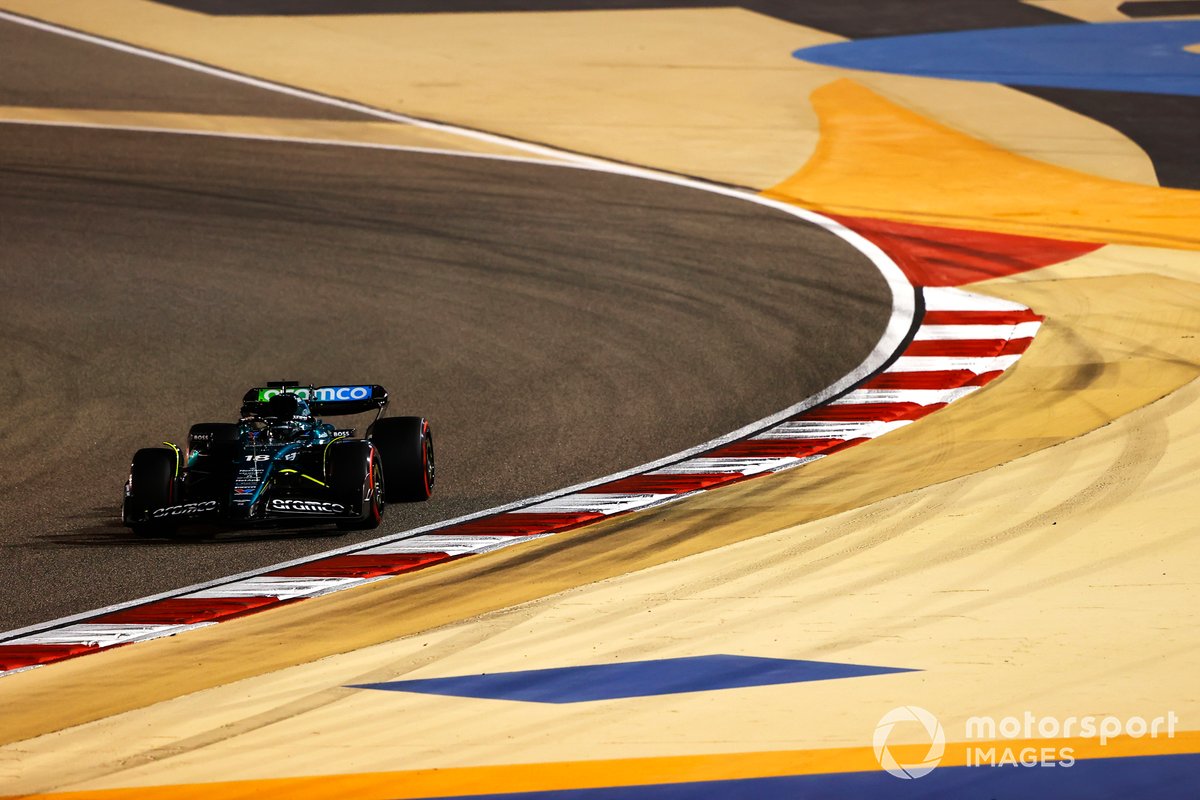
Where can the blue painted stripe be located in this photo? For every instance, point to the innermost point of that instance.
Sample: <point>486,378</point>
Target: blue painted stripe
<point>1174,776</point>
<point>634,679</point>
<point>1146,57</point>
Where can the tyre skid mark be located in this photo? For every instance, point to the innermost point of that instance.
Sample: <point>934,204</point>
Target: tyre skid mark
<point>963,342</point>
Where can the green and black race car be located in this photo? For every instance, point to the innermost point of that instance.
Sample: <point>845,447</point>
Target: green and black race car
<point>280,463</point>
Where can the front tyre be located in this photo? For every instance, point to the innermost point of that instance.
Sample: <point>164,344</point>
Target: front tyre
<point>152,485</point>
<point>355,475</point>
<point>405,447</point>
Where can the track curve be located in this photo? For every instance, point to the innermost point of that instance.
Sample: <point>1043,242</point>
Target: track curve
<point>557,325</point>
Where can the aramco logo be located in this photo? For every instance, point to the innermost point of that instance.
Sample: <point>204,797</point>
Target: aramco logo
<point>909,770</point>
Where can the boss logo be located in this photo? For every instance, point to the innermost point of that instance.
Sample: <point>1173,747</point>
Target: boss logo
<point>305,507</point>
<point>185,510</point>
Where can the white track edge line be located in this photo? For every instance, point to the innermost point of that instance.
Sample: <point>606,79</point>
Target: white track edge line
<point>265,137</point>
<point>899,322</point>
<point>292,91</point>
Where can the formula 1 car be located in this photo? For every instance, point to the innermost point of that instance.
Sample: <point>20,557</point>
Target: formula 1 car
<point>281,464</point>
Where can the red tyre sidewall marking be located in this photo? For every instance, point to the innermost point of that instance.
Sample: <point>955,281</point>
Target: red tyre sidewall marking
<point>375,510</point>
<point>425,457</point>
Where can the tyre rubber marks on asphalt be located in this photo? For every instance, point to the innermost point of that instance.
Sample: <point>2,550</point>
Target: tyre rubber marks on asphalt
<point>964,341</point>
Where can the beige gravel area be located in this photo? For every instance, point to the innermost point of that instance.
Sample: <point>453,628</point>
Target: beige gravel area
<point>375,133</point>
<point>707,92</point>
<point>1015,548</point>
<point>1030,548</point>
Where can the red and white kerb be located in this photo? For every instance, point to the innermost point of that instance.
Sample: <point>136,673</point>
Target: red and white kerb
<point>964,341</point>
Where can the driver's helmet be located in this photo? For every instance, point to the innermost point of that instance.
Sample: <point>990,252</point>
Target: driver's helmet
<point>286,414</point>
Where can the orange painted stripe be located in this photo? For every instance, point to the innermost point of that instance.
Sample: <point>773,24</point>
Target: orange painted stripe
<point>434,783</point>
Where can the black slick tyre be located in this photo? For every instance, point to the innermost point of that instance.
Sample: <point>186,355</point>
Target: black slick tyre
<point>356,478</point>
<point>405,447</point>
<point>152,485</point>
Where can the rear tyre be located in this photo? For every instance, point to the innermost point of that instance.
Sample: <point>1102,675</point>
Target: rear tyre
<point>152,486</point>
<point>405,447</point>
<point>354,473</point>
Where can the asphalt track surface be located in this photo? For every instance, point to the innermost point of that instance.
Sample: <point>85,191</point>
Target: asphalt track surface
<point>555,324</point>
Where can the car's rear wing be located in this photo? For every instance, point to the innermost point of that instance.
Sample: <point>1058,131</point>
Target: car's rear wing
<point>325,401</point>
